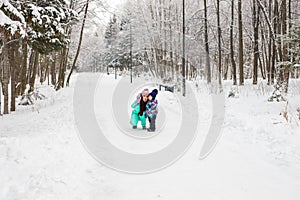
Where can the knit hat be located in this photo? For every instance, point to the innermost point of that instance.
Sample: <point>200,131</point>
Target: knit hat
<point>153,93</point>
<point>145,92</point>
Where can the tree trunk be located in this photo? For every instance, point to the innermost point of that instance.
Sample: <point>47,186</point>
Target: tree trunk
<point>23,78</point>
<point>233,64</point>
<point>34,71</point>
<point>226,66</point>
<point>262,69</point>
<point>187,65</point>
<point>274,55</point>
<point>241,50</point>
<point>1,69</point>
<point>79,44</point>
<point>5,79</point>
<point>219,47</point>
<point>62,69</point>
<point>12,63</point>
<point>53,70</point>
<point>290,14</point>
<point>206,44</point>
<point>256,10</point>
<point>270,53</point>
<point>285,58</point>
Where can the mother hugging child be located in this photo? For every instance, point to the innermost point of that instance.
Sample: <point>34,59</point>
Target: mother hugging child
<point>144,106</point>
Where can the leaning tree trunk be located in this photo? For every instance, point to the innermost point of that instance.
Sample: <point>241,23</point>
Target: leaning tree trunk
<point>79,44</point>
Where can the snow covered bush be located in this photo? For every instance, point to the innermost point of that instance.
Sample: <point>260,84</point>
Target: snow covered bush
<point>277,94</point>
<point>28,98</point>
<point>234,93</point>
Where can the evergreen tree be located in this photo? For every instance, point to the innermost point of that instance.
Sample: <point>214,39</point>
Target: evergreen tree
<point>293,41</point>
<point>111,30</point>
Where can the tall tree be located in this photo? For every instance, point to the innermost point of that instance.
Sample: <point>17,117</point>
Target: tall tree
<point>241,47</point>
<point>219,46</point>
<point>34,71</point>
<point>255,21</point>
<point>207,55</point>
<point>233,64</point>
<point>80,41</point>
<point>285,59</point>
<point>5,78</point>
<point>13,68</point>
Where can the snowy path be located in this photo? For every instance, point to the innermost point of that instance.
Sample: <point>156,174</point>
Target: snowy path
<point>41,156</point>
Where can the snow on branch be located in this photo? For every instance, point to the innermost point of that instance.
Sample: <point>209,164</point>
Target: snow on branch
<point>7,6</point>
<point>268,20</point>
<point>11,25</point>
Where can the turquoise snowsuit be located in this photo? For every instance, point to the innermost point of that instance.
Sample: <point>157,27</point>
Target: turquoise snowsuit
<point>135,118</point>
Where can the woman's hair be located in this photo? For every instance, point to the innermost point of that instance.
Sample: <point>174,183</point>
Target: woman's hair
<point>142,106</point>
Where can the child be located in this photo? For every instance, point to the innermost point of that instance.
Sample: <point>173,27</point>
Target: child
<point>139,108</point>
<point>151,109</point>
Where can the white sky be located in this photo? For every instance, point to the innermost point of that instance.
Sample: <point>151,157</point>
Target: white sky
<point>114,3</point>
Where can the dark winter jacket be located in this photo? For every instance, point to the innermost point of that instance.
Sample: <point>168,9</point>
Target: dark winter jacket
<point>151,108</point>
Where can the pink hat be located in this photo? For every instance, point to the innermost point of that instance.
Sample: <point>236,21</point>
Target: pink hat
<point>145,92</point>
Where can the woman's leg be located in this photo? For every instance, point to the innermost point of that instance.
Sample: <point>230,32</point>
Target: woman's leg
<point>134,119</point>
<point>143,120</point>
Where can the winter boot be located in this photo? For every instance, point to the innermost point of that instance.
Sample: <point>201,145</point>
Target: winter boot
<point>134,127</point>
<point>150,130</point>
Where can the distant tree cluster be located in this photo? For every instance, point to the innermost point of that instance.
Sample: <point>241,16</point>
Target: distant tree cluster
<point>231,39</point>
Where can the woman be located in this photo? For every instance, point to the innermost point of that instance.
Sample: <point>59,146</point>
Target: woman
<point>139,109</point>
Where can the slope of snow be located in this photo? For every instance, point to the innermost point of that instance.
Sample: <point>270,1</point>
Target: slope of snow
<point>257,157</point>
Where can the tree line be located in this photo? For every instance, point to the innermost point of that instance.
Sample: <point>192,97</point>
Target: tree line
<point>229,39</point>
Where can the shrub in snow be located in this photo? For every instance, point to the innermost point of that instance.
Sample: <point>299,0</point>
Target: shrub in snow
<point>277,94</point>
<point>30,98</point>
<point>233,93</point>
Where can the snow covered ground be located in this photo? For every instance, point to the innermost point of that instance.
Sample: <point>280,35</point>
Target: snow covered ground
<point>257,156</point>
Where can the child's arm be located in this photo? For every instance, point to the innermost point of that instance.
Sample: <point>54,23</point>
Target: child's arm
<point>154,105</point>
